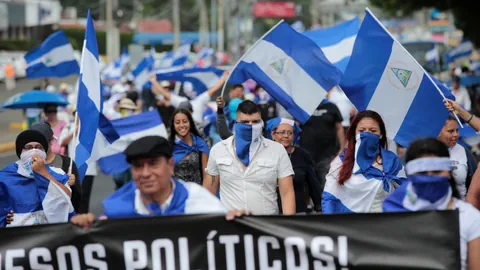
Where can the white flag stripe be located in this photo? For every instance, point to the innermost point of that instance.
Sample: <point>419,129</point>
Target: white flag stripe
<point>121,144</point>
<point>265,54</point>
<point>337,52</point>
<point>207,78</point>
<point>385,94</point>
<point>91,77</point>
<point>57,55</point>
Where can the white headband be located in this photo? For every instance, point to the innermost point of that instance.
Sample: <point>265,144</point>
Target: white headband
<point>427,164</point>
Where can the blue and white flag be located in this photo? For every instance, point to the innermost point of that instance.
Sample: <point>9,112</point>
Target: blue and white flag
<point>358,193</point>
<point>291,68</point>
<point>432,55</point>
<point>337,41</point>
<point>177,57</point>
<point>96,132</point>
<point>201,78</point>
<point>53,58</point>
<point>204,58</point>
<point>143,72</point>
<point>33,198</point>
<point>112,159</point>
<point>115,70</point>
<point>464,49</point>
<point>382,76</point>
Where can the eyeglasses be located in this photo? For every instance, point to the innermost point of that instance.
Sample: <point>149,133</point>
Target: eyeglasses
<point>284,132</point>
<point>30,147</point>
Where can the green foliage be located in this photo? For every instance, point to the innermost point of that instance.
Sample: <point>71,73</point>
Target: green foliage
<point>76,37</point>
<point>465,12</point>
<point>18,45</point>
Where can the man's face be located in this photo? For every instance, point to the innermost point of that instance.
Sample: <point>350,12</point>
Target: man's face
<point>152,175</point>
<point>236,92</point>
<point>249,119</point>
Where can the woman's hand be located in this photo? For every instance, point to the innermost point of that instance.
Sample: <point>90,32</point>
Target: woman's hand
<point>220,102</point>
<point>84,221</point>
<point>71,179</point>
<point>233,214</point>
<point>38,164</point>
<point>9,218</point>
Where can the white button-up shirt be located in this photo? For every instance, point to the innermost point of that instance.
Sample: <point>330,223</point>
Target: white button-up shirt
<point>253,188</point>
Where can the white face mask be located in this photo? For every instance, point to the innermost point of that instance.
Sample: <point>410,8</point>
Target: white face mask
<point>26,159</point>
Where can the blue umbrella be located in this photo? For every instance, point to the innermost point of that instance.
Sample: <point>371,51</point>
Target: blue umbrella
<point>33,99</point>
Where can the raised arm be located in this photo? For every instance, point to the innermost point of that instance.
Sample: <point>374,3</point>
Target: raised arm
<point>158,89</point>
<point>219,84</point>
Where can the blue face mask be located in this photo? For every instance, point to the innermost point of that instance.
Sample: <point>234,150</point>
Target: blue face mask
<point>247,140</point>
<point>430,187</point>
<point>367,148</point>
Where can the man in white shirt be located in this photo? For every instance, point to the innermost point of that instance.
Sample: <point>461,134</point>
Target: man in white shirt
<point>461,94</point>
<point>248,168</point>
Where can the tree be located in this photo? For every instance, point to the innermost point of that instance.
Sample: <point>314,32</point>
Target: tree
<point>465,12</point>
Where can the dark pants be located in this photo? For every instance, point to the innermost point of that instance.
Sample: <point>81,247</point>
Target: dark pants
<point>321,168</point>
<point>86,191</point>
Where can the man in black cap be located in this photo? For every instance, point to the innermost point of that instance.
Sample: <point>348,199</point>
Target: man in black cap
<point>30,188</point>
<point>62,163</point>
<point>154,191</point>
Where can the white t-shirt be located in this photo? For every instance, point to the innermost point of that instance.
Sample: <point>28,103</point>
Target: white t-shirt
<point>458,156</point>
<point>469,228</point>
<point>254,188</point>
<point>344,105</point>
<point>199,104</point>
<point>462,98</point>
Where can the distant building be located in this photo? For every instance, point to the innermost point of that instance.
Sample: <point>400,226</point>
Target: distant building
<point>28,19</point>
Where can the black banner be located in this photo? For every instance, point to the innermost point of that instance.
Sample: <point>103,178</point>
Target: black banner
<point>423,240</point>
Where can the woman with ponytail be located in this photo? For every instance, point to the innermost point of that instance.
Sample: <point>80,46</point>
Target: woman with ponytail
<point>366,172</point>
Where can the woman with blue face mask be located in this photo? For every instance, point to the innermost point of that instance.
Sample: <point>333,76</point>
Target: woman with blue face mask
<point>285,131</point>
<point>431,186</point>
<point>30,189</point>
<point>366,172</point>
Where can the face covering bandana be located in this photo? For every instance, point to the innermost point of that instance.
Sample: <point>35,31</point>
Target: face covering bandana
<point>247,141</point>
<point>423,192</point>
<point>366,150</point>
<point>26,160</point>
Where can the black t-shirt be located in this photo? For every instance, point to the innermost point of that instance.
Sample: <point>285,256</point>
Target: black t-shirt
<point>305,179</point>
<point>319,133</point>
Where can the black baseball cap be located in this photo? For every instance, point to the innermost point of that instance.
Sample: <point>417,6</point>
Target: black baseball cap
<point>149,146</point>
<point>43,128</point>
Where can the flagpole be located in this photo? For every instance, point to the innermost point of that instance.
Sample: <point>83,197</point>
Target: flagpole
<point>74,143</point>
<point>428,75</point>
<point>249,49</point>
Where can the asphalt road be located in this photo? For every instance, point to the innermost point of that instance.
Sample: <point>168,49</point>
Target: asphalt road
<point>103,185</point>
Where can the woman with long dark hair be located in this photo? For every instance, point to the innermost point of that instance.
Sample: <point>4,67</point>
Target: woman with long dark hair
<point>366,172</point>
<point>189,150</point>
<point>431,186</point>
<point>464,163</point>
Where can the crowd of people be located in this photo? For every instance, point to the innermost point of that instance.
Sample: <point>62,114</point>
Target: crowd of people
<point>245,156</point>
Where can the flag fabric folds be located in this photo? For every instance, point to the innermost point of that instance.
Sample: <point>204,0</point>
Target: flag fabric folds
<point>382,76</point>
<point>96,132</point>
<point>337,41</point>
<point>200,78</point>
<point>53,58</point>
<point>112,160</point>
<point>177,57</point>
<point>291,68</point>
